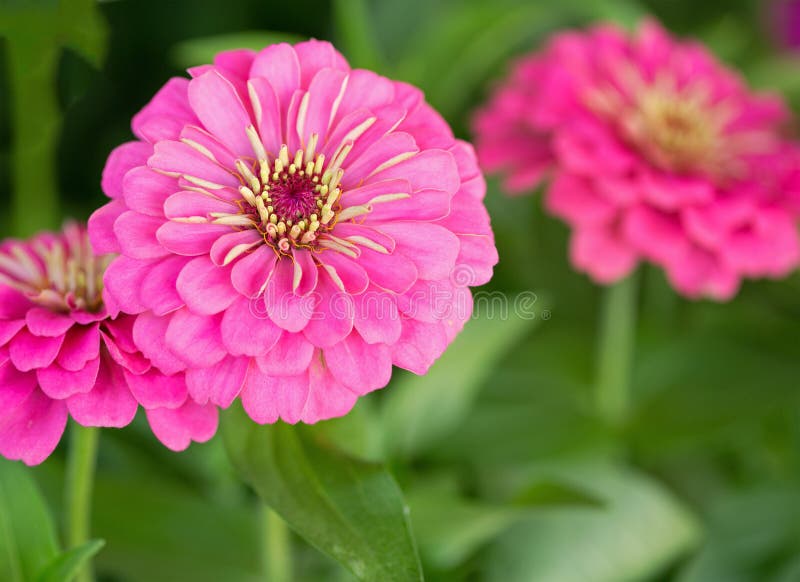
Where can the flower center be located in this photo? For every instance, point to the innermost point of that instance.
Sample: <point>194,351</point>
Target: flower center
<point>60,273</point>
<point>675,132</point>
<point>292,200</point>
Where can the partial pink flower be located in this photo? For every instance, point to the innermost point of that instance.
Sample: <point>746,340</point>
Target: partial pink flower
<point>653,151</point>
<point>292,228</point>
<point>62,355</point>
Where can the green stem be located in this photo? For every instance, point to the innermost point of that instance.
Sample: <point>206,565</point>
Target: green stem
<point>80,480</point>
<point>277,548</point>
<point>615,350</point>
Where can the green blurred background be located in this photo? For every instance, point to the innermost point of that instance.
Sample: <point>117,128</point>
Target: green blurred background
<point>510,473</point>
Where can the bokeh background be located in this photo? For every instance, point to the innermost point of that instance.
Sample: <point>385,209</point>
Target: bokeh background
<point>510,473</point>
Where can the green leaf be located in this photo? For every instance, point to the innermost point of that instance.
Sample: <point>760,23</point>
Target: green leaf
<point>451,528</point>
<point>201,51</point>
<point>27,536</point>
<point>421,410</point>
<point>355,30</point>
<point>750,533</point>
<point>66,566</point>
<point>350,509</point>
<point>639,531</point>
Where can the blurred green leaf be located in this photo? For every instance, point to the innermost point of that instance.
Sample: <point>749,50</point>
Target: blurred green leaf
<point>66,566</point>
<point>421,410</point>
<point>350,509</point>
<point>200,51</point>
<point>640,530</point>
<point>754,536</point>
<point>27,535</point>
<point>161,531</point>
<point>353,24</point>
<point>451,528</point>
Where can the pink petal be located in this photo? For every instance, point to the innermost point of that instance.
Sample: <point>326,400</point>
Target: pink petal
<point>108,404</point>
<point>60,384</point>
<point>190,239</point>
<point>387,150</point>
<point>245,333</point>
<point>123,280</point>
<point>657,235</point>
<point>332,319</point>
<point>178,428</point>
<point>132,361</point>
<point>31,431</point>
<point>428,170</point>
<point>344,270</point>
<point>279,64</point>
<point>602,254</point>
<point>250,273</point>
<point>327,397</point>
<point>228,247</point>
<point>432,248</point>
<point>290,356</point>
<point>394,272</point>
<point>13,304</point>
<point>267,110</point>
<point>9,328</point>
<point>206,288</point>
<point>306,266</point>
<point>360,366</point>
<point>149,333</point>
<point>166,113</point>
<point>29,352</point>
<point>376,317</point>
<point>15,386</point>
<point>218,106</point>
<point>572,198</point>
<point>123,159</point>
<point>81,345</point>
<point>315,55</point>
<point>367,90</point>
<point>220,383</point>
<point>136,234</point>
<point>145,190</point>
<point>159,291</point>
<point>323,93</point>
<point>268,398</point>
<point>195,338</point>
<point>189,204</point>
<point>156,390</point>
<point>289,311</point>
<point>101,227</point>
<point>420,345</point>
<point>43,322</point>
<point>180,158</point>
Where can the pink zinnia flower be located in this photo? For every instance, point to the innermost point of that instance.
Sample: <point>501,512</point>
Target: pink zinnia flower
<point>61,354</point>
<point>655,152</point>
<point>294,228</point>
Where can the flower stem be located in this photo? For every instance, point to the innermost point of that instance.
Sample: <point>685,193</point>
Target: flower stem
<point>616,349</point>
<point>277,548</point>
<point>80,480</point>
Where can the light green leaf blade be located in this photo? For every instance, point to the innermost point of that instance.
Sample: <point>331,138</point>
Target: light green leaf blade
<point>451,528</point>
<point>421,410</point>
<point>27,535</point>
<point>66,566</point>
<point>640,530</point>
<point>349,509</point>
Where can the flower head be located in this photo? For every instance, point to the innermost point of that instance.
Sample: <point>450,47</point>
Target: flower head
<point>61,354</point>
<point>293,228</point>
<point>655,152</point>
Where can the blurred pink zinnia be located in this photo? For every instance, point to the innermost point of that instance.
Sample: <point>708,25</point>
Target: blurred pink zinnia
<point>655,152</point>
<point>294,227</point>
<point>61,354</point>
